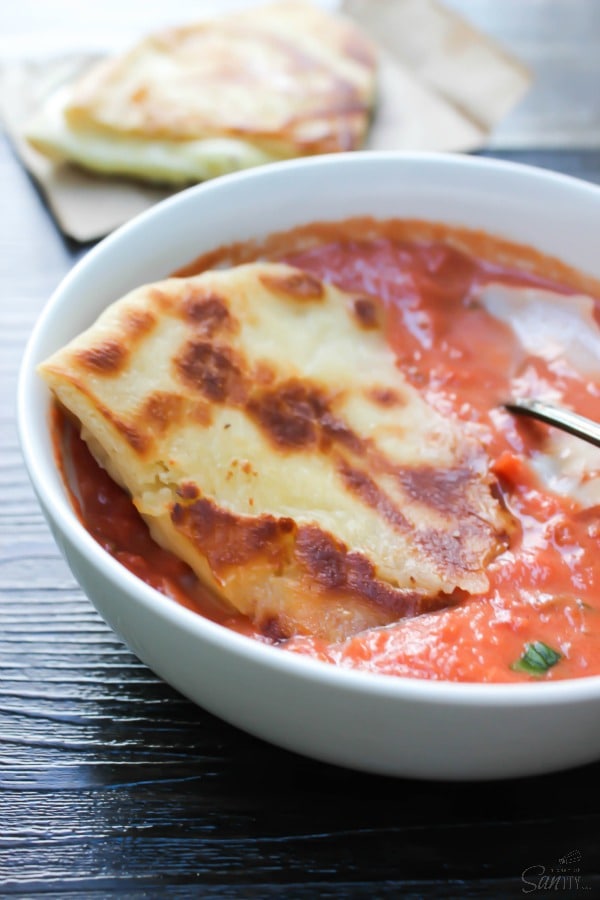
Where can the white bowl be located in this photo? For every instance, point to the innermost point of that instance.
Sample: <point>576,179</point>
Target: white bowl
<point>377,723</point>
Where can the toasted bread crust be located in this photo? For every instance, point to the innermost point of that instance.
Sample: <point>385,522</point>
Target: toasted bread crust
<point>259,421</point>
<point>288,75</point>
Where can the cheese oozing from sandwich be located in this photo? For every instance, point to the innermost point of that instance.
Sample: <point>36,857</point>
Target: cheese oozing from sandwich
<point>259,421</point>
<point>184,105</point>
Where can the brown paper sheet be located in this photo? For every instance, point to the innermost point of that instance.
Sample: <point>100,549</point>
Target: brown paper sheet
<point>459,65</point>
<point>442,87</point>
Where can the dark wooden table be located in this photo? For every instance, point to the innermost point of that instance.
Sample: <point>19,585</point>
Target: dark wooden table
<point>110,782</point>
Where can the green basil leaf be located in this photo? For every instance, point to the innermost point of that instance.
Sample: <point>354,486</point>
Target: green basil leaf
<point>536,659</point>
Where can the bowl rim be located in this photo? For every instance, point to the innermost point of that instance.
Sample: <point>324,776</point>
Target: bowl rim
<point>58,509</point>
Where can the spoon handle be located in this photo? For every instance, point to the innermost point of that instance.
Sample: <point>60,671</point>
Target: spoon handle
<point>561,418</point>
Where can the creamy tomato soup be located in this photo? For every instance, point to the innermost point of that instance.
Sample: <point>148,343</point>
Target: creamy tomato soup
<point>473,321</point>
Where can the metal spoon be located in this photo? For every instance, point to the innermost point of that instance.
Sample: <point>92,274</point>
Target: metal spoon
<point>555,415</point>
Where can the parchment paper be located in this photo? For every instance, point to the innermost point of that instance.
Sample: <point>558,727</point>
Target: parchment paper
<point>442,87</point>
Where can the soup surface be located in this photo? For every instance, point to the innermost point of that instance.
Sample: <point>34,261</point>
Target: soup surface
<point>473,322</point>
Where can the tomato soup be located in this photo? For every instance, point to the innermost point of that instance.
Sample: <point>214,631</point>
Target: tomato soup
<point>473,322</point>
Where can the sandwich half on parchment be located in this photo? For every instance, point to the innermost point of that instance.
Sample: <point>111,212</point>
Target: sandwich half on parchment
<point>197,101</point>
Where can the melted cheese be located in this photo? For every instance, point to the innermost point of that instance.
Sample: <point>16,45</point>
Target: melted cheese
<point>158,160</point>
<point>259,420</point>
<point>210,98</point>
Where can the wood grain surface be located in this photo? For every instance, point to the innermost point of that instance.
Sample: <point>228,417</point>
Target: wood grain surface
<point>110,782</point>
